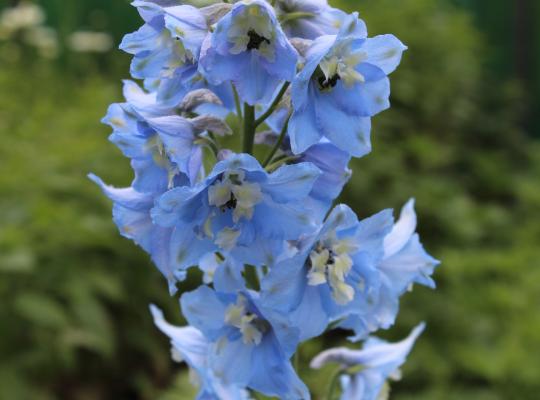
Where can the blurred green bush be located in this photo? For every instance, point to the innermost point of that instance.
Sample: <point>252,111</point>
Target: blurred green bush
<point>74,294</point>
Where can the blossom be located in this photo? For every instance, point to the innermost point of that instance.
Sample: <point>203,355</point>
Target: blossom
<point>378,360</point>
<point>249,49</point>
<point>404,263</point>
<point>131,213</point>
<point>334,274</point>
<point>161,159</point>
<point>166,50</point>
<point>343,83</point>
<point>189,345</point>
<point>250,344</point>
<point>157,166</point>
<point>279,266</point>
<point>238,205</point>
<point>308,19</point>
<point>352,271</point>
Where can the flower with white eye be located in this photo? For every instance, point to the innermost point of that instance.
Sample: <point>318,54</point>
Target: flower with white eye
<point>342,84</point>
<point>249,49</point>
<point>248,341</point>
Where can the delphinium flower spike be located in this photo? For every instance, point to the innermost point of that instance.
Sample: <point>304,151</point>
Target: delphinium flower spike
<point>299,81</point>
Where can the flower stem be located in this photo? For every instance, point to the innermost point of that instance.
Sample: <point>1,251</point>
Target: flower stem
<point>249,128</point>
<point>237,102</point>
<point>276,164</point>
<point>278,142</point>
<point>274,104</point>
<point>295,15</point>
<point>333,385</point>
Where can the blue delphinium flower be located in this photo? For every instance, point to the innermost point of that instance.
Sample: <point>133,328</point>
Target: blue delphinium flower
<point>378,362</point>
<point>277,267</point>
<point>166,50</point>
<point>190,346</point>
<point>238,205</point>
<point>351,271</point>
<point>164,154</point>
<point>343,83</point>
<point>334,273</point>
<point>131,213</point>
<point>154,171</point>
<point>404,263</point>
<point>250,344</point>
<point>308,19</point>
<point>249,49</point>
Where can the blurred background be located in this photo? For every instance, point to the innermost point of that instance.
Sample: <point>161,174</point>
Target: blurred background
<point>462,138</point>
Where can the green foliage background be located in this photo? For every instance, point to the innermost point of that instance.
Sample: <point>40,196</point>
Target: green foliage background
<point>73,317</point>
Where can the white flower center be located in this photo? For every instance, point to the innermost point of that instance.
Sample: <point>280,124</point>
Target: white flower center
<point>232,192</point>
<point>330,263</point>
<point>341,63</point>
<point>250,325</point>
<point>252,30</point>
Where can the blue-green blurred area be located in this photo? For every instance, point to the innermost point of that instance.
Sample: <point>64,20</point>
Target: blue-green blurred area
<point>462,138</point>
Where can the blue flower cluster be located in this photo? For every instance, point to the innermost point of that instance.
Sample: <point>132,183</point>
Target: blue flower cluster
<point>281,264</point>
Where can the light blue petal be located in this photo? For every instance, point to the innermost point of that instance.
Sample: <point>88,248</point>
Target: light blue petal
<point>273,375</point>
<point>144,39</point>
<point>143,103</point>
<point>149,177</point>
<point>204,311</point>
<point>352,26</point>
<point>255,85</point>
<point>186,248</point>
<point>125,197</point>
<point>283,287</point>
<point>333,164</point>
<point>134,225</point>
<point>372,231</point>
<point>291,182</point>
<point>178,204</point>
<point>411,264</point>
<point>188,341</point>
<point>303,129</point>
<point>232,361</point>
<point>285,221</point>
<point>402,231</point>
<point>228,277</point>
<point>149,64</point>
<point>349,133</point>
<point>177,134</point>
<point>310,315</point>
<point>189,25</point>
<point>342,217</point>
<point>384,51</point>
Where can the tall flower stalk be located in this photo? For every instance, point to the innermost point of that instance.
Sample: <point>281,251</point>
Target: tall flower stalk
<point>282,263</point>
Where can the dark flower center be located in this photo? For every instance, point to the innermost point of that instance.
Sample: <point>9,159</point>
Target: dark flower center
<point>255,40</point>
<point>328,83</point>
<point>231,204</point>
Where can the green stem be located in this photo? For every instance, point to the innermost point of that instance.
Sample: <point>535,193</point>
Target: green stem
<point>274,104</point>
<point>333,385</point>
<point>249,128</point>
<point>278,142</point>
<point>237,102</point>
<point>208,142</point>
<point>295,15</point>
<point>272,167</point>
